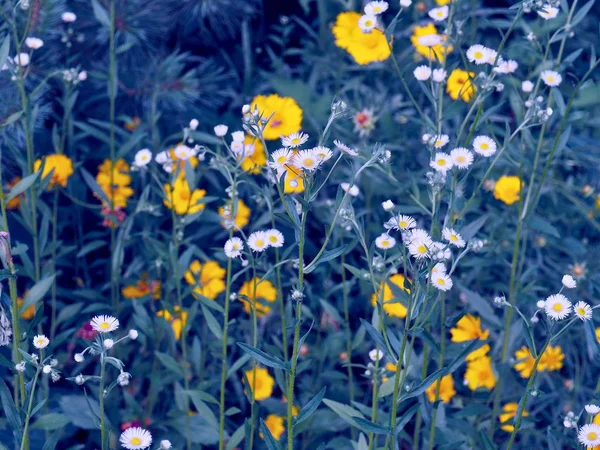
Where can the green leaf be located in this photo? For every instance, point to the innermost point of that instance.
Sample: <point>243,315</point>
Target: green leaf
<point>52,441</point>
<point>95,187</point>
<point>10,410</point>
<point>37,292</point>
<point>263,358</point>
<point>4,50</point>
<point>310,408</point>
<point>90,247</point>
<point>51,421</point>
<point>422,387</point>
<point>405,417</point>
<point>21,186</point>
<point>371,427</point>
<point>326,256</point>
<point>11,119</point>
<point>101,14</point>
<point>213,324</point>
<point>235,438</point>
<point>268,437</point>
<point>170,363</point>
<point>346,413</point>
<point>473,345</point>
<point>376,335</point>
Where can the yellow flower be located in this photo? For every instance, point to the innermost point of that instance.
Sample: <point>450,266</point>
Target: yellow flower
<point>446,389</point>
<point>180,197</point>
<point>294,183</point>
<point>525,362</point>
<point>276,426</point>
<point>261,382</point>
<point>178,320</point>
<point>480,374</point>
<point>598,334</point>
<point>206,277</point>
<point>443,2</point>
<point>29,313</point>
<point>507,189</point>
<point>460,84</point>
<point>434,53</point>
<point>287,115</point>
<point>258,159</point>
<point>265,292</point>
<point>510,411</point>
<point>116,189</point>
<point>395,309</point>
<point>598,202</point>
<point>552,359</point>
<point>62,166</point>
<point>390,367</point>
<point>13,203</point>
<point>469,328</point>
<point>242,214</point>
<point>142,288</point>
<point>365,48</point>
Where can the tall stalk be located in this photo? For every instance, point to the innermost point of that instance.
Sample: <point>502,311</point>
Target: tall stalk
<point>441,364</point>
<point>103,434</point>
<point>25,440</point>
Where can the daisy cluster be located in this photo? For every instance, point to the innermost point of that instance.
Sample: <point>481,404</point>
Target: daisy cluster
<point>460,157</point>
<point>46,365</point>
<point>558,307</point>
<point>369,20</point>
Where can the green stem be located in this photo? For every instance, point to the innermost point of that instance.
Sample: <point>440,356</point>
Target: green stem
<point>224,356</point>
<point>25,441</point>
<point>348,338</point>
<point>103,435</point>
<point>417,432</point>
<point>54,242</point>
<point>439,380</point>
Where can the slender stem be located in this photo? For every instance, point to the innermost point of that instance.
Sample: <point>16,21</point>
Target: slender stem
<point>348,338</point>
<point>374,395</point>
<point>25,441</point>
<point>54,245</point>
<point>255,345</point>
<point>224,356</point>
<point>439,380</point>
<point>103,435</point>
<point>417,432</point>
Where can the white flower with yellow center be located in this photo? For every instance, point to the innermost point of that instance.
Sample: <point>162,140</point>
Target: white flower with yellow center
<point>183,152</point>
<point>281,157</point>
<point>438,270</point>
<point>583,311</point>
<point>440,141</point>
<point>439,14</point>
<point>558,307</point>
<point>589,435</point>
<point>135,438</point>
<point>323,153</point>
<point>41,341</point>
<point>294,140</point>
<point>344,148</point>
<point>453,237</point>
<point>233,247</point>
<point>484,145</point>
<point>275,238</point>
<point>569,282</point>
<point>385,241</point>
<point>306,159</point>
<point>367,22</point>
<point>258,241</point>
<point>442,282</point>
<point>419,243</point>
<point>478,54</point>
<point>551,78</point>
<point>375,8</point>
<point>353,190</point>
<point>104,324</point>
<point>442,162</point>
<point>422,73</point>
<point>142,158</point>
<point>462,158</point>
<point>548,12</point>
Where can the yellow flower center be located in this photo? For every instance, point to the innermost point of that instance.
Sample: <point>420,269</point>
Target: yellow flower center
<point>442,162</point>
<point>422,249</point>
<point>296,141</point>
<point>403,224</point>
<point>581,311</point>
<point>557,307</point>
<point>273,238</point>
<point>105,325</point>
<point>478,55</point>
<point>136,441</point>
<point>461,159</point>
<point>144,157</point>
<point>368,23</point>
<point>484,146</point>
<point>260,243</point>
<point>184,195</point>
<point>441,281</point>
<point>453,237</point>
<point>592,436</point>
<point>308,162</point>
<point>438,143</point>
<point>440,13</point>
<point>550,79</point>
<point>385,243</point>
<point>483,375</point>
<point>281,159</point>
<point>376,9</point>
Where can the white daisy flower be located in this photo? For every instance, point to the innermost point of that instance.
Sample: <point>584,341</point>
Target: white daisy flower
<point>484,145</point>
<point>165,444</point>
<point>385,241</point>
<point>258,241</point>
<point>104,324</point>
<point>442,162</point>
<point>462,158</point>
<point>142,158</point>
<point>375,355</point>
<point>439,14</point>
<point>238,136</point>
<point>420,241</point>
<point>34,43</point>
<point>548,12</point>
<point>492,54</point>
<point>478,54</point>
<point>162,157</point>
<point>439,75</point>
<point>344,148</point>
<point>558,307</point>
<point>68,17</point>
<point>306,159</point>
<point>583,311</point>
<point>589,435</point>
<point>194,124</point>
<point>323,153</point>
<point>388,205</point>
<point>135,438</point>
<point>453,237</point>
<point>592,409</point>
<point>442,282</point>
<point>183,152</point>
<point>41,341</point>
<point>440,251</point>
<point>280,158</point>
<point>400,222</point>
<point>569,282</point>
<point>405,3</point>
<point>352,190</point>
<point>429,40</point>
<point>294,140</point>
<point>275,238</point>
<point>527,86</point>
<point>375,8</point>
<point>108,343</point>
<point>551,78</point>
<point>422,73</point>
<point>440,141</point>
<point>233,247</point>
<point>367,22</point>
<point>221,130</point>
<point>22,59</point>
<point>509,66</point>
<point>438,270</point>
